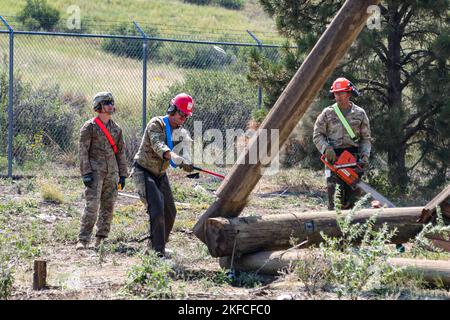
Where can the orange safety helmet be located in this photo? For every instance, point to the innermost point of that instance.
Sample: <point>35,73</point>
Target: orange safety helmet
<point>343,85</point>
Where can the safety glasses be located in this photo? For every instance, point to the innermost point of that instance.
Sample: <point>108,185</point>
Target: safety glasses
<point>108,103</point>
<point>182,114</point>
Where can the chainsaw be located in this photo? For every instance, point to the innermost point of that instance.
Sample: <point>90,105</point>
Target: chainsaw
<point>347,168</point>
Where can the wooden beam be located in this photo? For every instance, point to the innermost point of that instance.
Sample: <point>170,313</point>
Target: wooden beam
<point>273,232</point>
<point>289,108</point>
<point>271,262</point>
<point>440,200</point>
<point>39,274</point>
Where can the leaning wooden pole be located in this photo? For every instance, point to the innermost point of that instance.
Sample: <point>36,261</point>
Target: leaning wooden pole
<point>275,231</point>
<point>272,262</point>
<point>233,193</point>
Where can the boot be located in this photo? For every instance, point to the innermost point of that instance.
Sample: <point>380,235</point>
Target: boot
<point>98,242</point>
<point>81,245</point>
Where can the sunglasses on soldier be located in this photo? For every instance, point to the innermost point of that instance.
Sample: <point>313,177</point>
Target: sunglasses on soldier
<point>182,114</point>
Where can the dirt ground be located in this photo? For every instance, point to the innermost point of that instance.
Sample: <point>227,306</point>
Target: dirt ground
<point>35,228</point>
<point>90,274</point>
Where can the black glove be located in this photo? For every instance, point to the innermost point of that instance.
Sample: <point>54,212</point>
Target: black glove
<point>121,184</point>
<point>187,167</point>
<point>88,179</point>
<point>330,155</point>
<point>365,162</point>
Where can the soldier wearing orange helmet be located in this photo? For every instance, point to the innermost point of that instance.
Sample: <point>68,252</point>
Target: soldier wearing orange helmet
<point>155,155</point>
<point>342,126</point>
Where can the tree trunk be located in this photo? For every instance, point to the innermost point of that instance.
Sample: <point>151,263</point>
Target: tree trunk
<point>271,262</point>
<point>274,232</point>
<point>395,132</point>
<point>289,109</point>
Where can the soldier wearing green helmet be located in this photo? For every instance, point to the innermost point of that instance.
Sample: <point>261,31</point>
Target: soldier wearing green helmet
<point>102,162</point>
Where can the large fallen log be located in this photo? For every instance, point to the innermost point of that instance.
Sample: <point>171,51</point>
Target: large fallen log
<point>289,109</point>
<point>274,232</point>
<point>272,262</point>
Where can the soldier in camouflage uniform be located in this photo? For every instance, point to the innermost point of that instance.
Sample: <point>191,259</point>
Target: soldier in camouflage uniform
<point>331,138</point>
<point>151,162</point>
<point>100,166</point>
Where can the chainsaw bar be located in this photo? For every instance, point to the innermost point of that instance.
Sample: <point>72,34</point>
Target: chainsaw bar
<point>374,193</point>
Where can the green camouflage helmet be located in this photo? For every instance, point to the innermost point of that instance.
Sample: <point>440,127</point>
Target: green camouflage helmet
<point>100,97</point>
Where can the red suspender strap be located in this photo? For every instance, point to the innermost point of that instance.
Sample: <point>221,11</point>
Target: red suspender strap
<point>107,134</point>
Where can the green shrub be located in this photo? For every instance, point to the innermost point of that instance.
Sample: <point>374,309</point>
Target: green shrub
<point>355,269</point>
<point>223,100</point>
<point>199,2</point>
<point>131,48</point>
<point>198,56</point>
<point>152,278</point>
<point>43,124</point>
<point>6,279</point>
<point>231,4</point>
<point>37,14</point>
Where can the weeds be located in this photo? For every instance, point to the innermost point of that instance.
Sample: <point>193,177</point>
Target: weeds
<point>152,278</point>
<point>422,246</point>
<point>355,269</point>
<point>312,271</point>
<point>6,279</point>
<point>50,191</point>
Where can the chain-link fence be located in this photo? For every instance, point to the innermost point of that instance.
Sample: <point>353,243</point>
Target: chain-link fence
<point>55,76</point>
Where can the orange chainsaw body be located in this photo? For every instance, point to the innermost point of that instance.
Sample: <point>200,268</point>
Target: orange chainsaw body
<point>345,168</point>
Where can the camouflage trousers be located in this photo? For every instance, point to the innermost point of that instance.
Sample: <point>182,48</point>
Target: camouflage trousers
<point>156,194</point>
<point>100,200</point>
<point>347,196</point>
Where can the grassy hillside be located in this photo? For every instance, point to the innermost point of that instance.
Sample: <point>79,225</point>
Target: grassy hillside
<point>172,17</point>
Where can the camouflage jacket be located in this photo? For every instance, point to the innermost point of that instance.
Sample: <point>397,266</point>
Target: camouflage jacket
<point>96,153</point>
<point>328,130</point>
<point>154,145</point>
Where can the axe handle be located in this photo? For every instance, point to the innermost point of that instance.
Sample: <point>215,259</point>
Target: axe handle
<point>209,172</point>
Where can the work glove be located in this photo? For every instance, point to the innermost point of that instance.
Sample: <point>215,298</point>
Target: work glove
<point>364,161</point>
<point>121,184</point>
<point>330,155</point>
<point>88,180</point>
<point>181,162</point>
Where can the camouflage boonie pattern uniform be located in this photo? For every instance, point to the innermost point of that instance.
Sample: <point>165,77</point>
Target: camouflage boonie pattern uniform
<point>329,131</point>
<point>151,181</point>
<point>97,157</point>
<point>152,148</point>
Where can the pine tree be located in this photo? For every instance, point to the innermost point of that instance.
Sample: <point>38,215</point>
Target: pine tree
<point>402,69</point>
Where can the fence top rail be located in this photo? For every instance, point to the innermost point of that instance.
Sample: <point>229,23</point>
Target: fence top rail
<point>109,36</point>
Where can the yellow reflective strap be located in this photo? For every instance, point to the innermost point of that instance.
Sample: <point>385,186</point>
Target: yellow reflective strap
<point>344,121</point>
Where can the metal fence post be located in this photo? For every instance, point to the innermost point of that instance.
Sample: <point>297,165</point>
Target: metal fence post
<point>10,95</point>
<point>260,49</point>
<point>144,75</point>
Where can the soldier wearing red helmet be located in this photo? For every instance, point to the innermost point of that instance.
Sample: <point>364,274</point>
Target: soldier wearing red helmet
<point>153,158</point>
<point>342,126</point>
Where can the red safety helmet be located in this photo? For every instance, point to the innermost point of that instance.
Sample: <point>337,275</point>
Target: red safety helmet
<point>343,85</point>
<point>182,102</point>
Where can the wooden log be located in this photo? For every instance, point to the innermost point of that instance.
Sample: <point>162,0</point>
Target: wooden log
<point>441,241</point>
<point>289,109</point>
<point>39,274</point>
<point>272,262</point>
<point>274,232</point>
<point>440,200</point>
